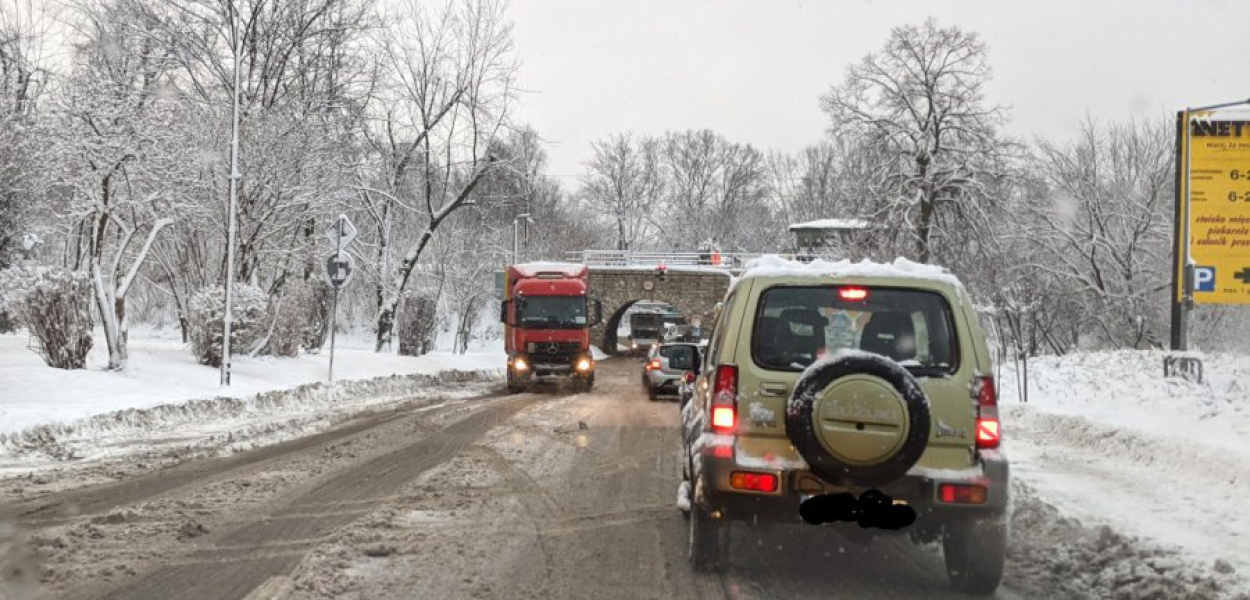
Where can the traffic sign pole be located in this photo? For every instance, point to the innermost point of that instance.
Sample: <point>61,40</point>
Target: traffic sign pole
<point>334,319</point>
<point>339,270</point>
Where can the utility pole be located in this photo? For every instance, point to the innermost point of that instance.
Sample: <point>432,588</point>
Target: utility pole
<point>228,317</point>
<point>516,229</point>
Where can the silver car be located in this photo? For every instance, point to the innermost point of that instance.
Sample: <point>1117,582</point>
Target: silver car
<point>657,375</point>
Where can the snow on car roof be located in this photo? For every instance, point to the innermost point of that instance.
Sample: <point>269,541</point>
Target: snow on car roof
<point>775,266</point>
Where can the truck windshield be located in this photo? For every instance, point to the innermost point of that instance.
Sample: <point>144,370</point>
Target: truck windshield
<point>552,312</point>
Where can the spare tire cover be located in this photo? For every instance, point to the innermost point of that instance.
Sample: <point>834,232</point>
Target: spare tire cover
<point>858,419</point>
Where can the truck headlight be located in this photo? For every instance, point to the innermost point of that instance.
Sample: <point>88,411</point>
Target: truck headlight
<point>519,364</point>
<point>583,364</point>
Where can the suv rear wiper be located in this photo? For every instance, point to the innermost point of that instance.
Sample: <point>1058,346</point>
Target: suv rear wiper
<point>924,371</point>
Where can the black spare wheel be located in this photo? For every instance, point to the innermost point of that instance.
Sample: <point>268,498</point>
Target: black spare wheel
<point>858,419</point>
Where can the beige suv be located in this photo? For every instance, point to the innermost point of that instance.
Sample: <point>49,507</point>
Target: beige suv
<point>857,395</point>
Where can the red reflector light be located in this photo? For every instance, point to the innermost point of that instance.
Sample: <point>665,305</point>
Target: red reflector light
<point>688,377</point>
<point>853,294</point>
<point>759,482</point>
<point>952,493</point>
<point>987,433</point>
<point>725,399</point>
<point>723,451</point>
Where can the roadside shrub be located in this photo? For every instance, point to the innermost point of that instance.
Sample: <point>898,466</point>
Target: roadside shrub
<point>206,310</point>
<point>298,318</point>
<point>418,323</point>
<point>316,315</point>
<point>55,306</point>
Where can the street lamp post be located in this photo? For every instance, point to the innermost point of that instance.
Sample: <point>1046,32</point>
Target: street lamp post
<point>516,228</point>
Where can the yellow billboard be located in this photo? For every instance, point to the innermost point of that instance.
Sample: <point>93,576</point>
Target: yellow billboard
<point>1215,196</point>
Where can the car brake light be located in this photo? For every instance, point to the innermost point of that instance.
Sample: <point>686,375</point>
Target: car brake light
<point>654,365</point>
<point>725,399</point>
<point>954,493</point>
<point>723,418</point>
<point>759,482</point>
<point>853,294</point>
<point>988,433</point>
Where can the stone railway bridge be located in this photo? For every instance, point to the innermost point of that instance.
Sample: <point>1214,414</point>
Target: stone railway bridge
<point>694,291</point>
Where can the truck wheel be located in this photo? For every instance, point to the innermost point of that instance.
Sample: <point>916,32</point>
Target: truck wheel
<point>709,540</point>
<point>975,550</point>
<point>859,419</point>
<point>514,386</point>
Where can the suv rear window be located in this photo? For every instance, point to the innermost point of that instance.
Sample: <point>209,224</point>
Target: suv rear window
<point>794,326</point>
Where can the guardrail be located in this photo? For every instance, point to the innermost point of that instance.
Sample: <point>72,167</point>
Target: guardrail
<point>631,258</point>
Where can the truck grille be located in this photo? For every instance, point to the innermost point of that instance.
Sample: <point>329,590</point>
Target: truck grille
<point>539,349</point>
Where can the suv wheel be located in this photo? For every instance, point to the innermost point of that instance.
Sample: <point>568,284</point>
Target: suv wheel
<point>859,419</point>
<point>709,539</point>
<point>975,551</point>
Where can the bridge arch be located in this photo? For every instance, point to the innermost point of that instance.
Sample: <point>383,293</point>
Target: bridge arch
<point>693,291</point>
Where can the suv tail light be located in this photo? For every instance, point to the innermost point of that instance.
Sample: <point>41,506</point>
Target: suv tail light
<point>988,434</point>
<point>725,399</point>
<point>654,365</point>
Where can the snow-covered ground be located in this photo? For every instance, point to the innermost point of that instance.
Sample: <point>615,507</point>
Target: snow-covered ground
<point>1107,440</point>
<point>162,371</point>
<point>166,397</point>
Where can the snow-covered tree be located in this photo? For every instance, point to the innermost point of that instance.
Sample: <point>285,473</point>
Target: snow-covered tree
<point>454,70</point>
<point>624,181</point>
<point>1102,227</point>
<point>114,161</point>
<point>919,105</point>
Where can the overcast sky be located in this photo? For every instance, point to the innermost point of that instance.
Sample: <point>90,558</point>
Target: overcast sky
<point>754,70</point>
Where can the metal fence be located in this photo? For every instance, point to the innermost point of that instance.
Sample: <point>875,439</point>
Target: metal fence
<point>630,258</point>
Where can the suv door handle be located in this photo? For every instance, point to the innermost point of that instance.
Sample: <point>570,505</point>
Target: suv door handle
<point>772,388</point>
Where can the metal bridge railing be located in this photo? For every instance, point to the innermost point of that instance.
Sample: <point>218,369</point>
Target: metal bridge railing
<point>631,258</point>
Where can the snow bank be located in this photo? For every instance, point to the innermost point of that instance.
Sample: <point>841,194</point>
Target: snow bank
<point>162,371</point>
<point>1126,389</point>
<point>226,422</point>
<point>1054,556</point>
<point>1110,441</point>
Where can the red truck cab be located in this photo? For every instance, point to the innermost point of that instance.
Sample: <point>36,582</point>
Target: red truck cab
<point>547,315</point>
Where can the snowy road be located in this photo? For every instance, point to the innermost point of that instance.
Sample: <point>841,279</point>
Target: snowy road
<point>527,496</point>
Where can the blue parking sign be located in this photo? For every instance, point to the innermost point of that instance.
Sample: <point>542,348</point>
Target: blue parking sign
<point>1204,279</point>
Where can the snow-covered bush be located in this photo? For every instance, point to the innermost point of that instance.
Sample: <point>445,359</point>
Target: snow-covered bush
<point>418,323</point>
<point>316,314</point>
<point>298,319</point>
<point>205,311</point>
<point>55,306</point>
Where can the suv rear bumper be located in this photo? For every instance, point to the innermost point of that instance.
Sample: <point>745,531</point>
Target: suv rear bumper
<point>919,489</point>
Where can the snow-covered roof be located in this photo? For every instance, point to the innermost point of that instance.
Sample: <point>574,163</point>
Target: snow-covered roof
<point>774,266</point>
<point>568,269</point>
<point>831,224</point>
